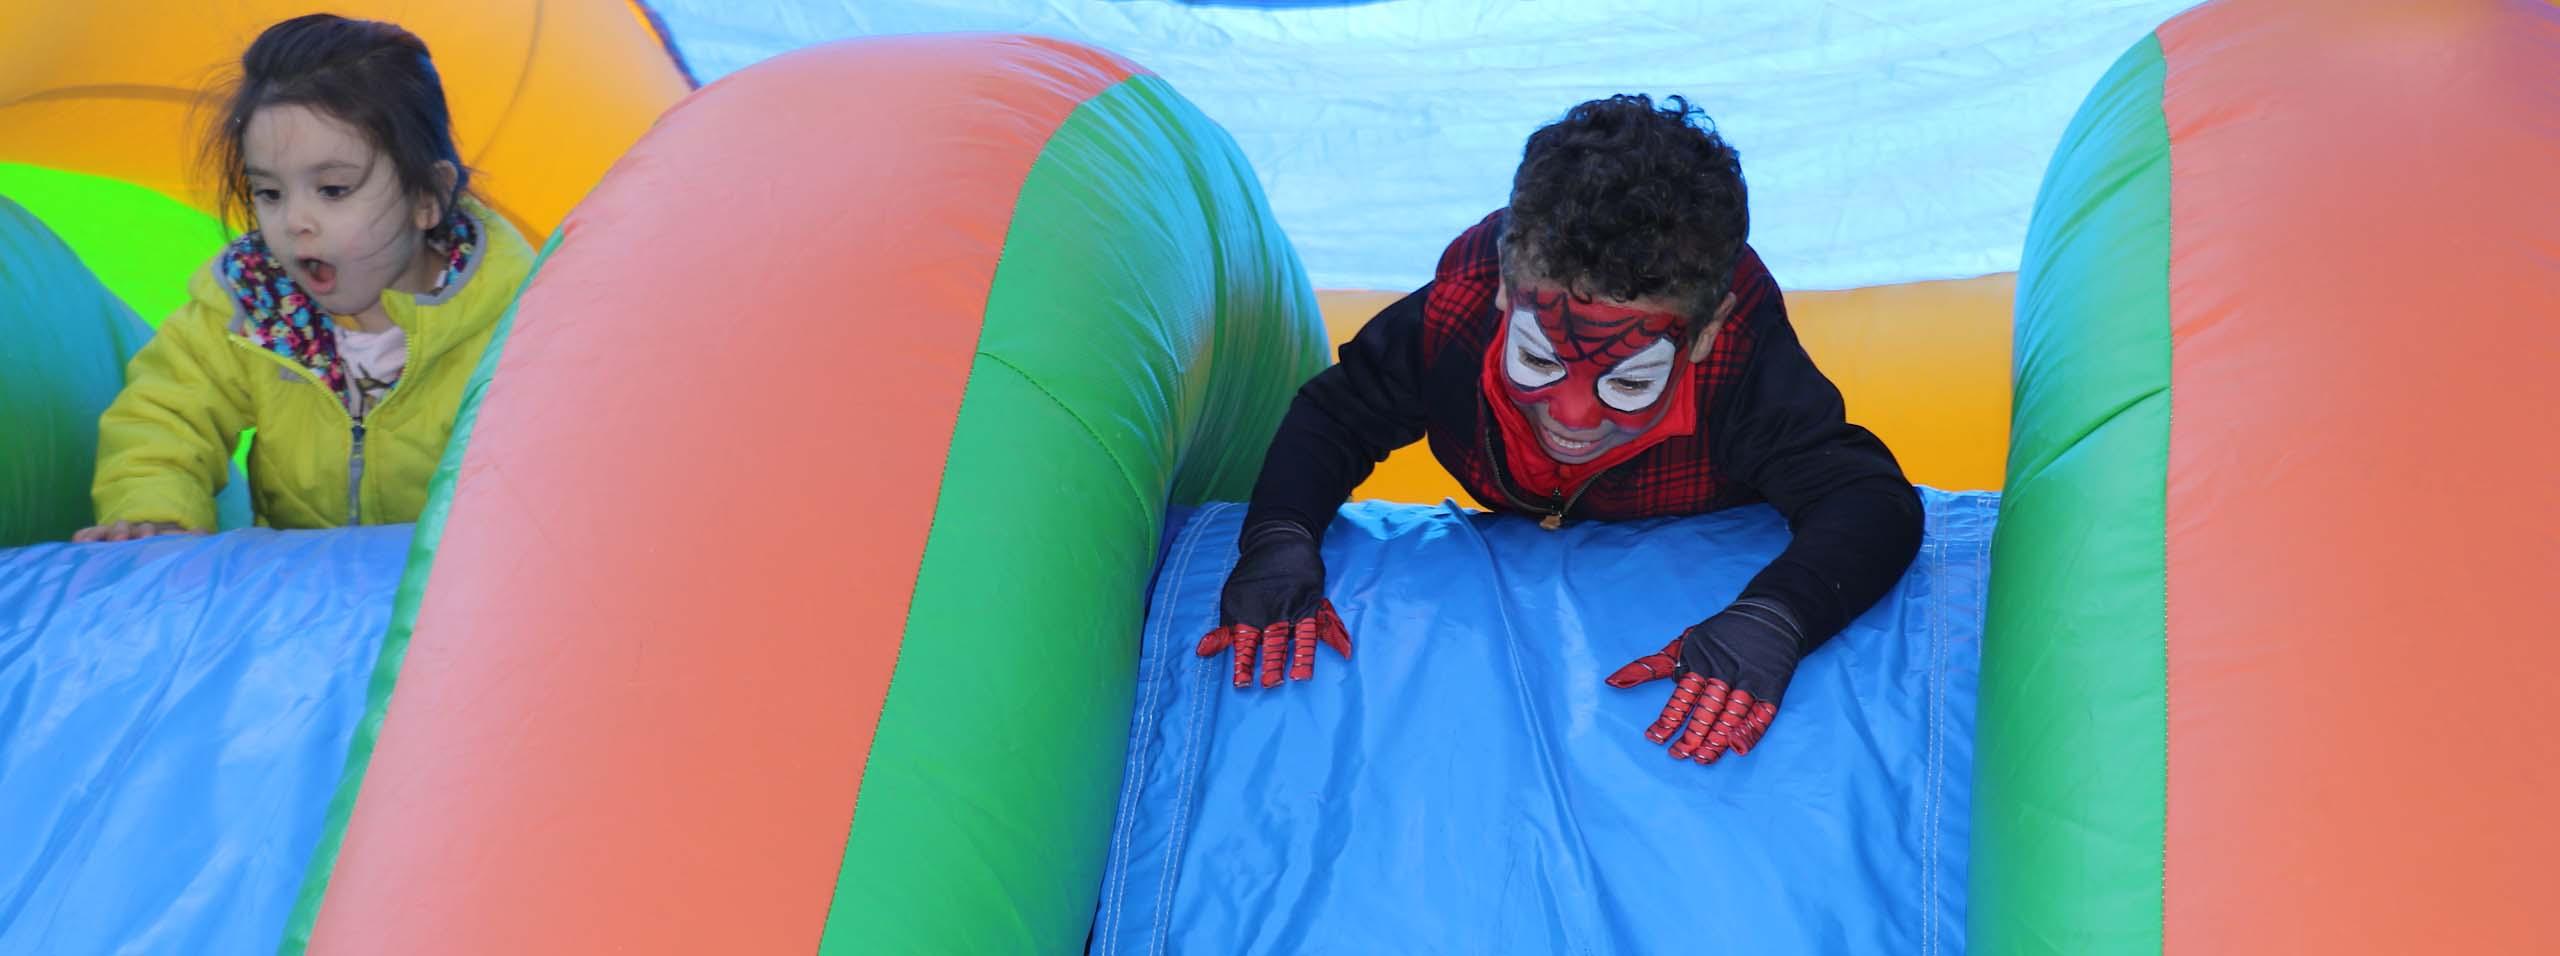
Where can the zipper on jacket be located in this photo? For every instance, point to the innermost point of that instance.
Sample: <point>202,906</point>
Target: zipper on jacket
<point>355,478</point>
<point>1502,483</point>
<point>355,452</point>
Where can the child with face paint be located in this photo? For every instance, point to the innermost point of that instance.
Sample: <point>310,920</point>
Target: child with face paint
<point>344,326</point>
<point>1605,347</point>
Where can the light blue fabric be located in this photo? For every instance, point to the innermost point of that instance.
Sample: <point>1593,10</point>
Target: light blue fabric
<point>1886,141</point>
<point>1467,783</point>
<point>174,713</point>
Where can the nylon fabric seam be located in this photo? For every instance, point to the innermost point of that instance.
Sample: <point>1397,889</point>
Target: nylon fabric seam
<point>1117,465</point>
<point>2168,287</point>
<point>889,689</point>
<point>1937,778</point>
<point>1206,671</point>
<point>1133,786</point>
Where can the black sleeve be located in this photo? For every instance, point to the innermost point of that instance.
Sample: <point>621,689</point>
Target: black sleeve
<point>1344,421</point>
<point>1856,519</point>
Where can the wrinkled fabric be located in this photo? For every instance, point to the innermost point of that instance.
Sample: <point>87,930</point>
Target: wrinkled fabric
<point>174,713</point>
<point>1467,783</point>
<point>1886,141</point>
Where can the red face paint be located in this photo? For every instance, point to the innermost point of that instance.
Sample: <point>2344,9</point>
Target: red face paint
<point>1588,376</point>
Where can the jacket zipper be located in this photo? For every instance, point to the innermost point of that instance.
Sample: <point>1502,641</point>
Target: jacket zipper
<point>1502,483</point>
<point>355,478</point>
<point>355,451</point>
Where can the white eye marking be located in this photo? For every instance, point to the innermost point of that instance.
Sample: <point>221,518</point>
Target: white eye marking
<point>1639,381</point>
<point>1527,356</point>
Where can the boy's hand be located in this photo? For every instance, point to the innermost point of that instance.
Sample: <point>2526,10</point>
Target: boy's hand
<point>1733,667</point>
<point>128,531</point>
<point>1274,602</point>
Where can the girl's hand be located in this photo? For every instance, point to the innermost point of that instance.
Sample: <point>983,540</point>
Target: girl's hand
<point>128,531</point>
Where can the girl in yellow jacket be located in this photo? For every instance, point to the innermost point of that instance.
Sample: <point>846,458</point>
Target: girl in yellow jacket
<point>344,327</point>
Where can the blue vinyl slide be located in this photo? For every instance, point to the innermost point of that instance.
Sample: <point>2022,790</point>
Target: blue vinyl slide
<point>1467,783</point>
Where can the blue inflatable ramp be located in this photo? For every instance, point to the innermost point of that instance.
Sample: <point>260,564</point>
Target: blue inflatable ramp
<point>1467,783</point>
<point>173,716</point>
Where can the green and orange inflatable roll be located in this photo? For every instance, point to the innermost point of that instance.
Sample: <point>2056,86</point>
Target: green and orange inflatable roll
<point>2266,661</point>
<point>783,586</point>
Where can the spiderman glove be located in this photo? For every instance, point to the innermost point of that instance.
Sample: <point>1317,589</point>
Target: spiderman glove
<point>1274,604</point>
<point>1732,667</point>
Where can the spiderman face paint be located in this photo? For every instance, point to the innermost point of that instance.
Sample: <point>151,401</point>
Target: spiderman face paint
<point>1589,376</point>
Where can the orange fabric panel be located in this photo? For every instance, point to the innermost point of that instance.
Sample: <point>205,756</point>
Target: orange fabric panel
<point>544,95</point>
<point>672,588</point>
<point>2364,492</point>
<point>1925,365</point>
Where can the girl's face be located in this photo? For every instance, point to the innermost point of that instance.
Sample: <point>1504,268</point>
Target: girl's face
<point>332,207</point>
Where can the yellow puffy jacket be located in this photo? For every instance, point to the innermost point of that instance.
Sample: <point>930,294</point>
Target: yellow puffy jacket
<point>164,446</point>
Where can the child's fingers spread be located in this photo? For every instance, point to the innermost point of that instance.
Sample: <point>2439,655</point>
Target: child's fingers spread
<point>1275,648</point>
<point>1216,640</point>
<point>1329,628</point>
<point>1712,695</point>
<point>1728,727</point>
<point>1684,698</point>
<point>1246,639</point>
<point>1654,666</point>
<point>1693,741</point>
<point>1754,726</point>
<point>1647,668</point>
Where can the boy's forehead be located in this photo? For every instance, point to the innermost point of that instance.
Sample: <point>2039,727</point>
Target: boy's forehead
<point>1555,306</point>
<point>1595,329</point>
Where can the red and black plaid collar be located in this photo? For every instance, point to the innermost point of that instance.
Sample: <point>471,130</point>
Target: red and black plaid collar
<point>1459,324</point>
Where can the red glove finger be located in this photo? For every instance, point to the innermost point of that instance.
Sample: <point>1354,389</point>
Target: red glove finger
<point>1329,629</point>
<point>1653,666</point>
<point>1302,650</point>
<point>1755,726</point>
<point>1275,650</point>
<point>1247,640</point>
<point>1683,696</point>
<point>1728,727</point>
<point>1216,641</point>
<point>1711,701</point>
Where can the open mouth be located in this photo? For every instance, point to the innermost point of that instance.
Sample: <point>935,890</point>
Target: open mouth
<point>319,275</point>
<point>1568,448</point>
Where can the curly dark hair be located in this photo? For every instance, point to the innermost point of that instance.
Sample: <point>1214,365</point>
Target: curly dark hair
<point>373,76</point>
<point>1623,200</point>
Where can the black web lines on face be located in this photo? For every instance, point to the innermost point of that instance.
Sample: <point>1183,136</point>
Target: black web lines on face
<point>1583,334</point>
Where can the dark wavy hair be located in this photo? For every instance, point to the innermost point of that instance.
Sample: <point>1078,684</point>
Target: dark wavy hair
<point>373,76</point>
<point>1621,199</point>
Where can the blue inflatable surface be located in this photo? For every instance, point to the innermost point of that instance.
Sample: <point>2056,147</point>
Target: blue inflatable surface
<point>173,716</point>
<point>1467,784</point>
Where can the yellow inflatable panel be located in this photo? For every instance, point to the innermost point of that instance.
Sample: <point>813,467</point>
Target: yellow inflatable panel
<point>545,93</point>
<point>1924,365</point>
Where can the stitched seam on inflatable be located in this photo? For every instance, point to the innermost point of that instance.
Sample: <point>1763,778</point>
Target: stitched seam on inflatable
<point>1132,785</point>
<point>1206,671</point>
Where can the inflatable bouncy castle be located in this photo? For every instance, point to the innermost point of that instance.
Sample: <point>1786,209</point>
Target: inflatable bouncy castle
<point>820,554</point>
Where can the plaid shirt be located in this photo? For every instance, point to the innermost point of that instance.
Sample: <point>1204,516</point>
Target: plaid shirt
<point>1676,477</point>
<point>1769,427</point>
